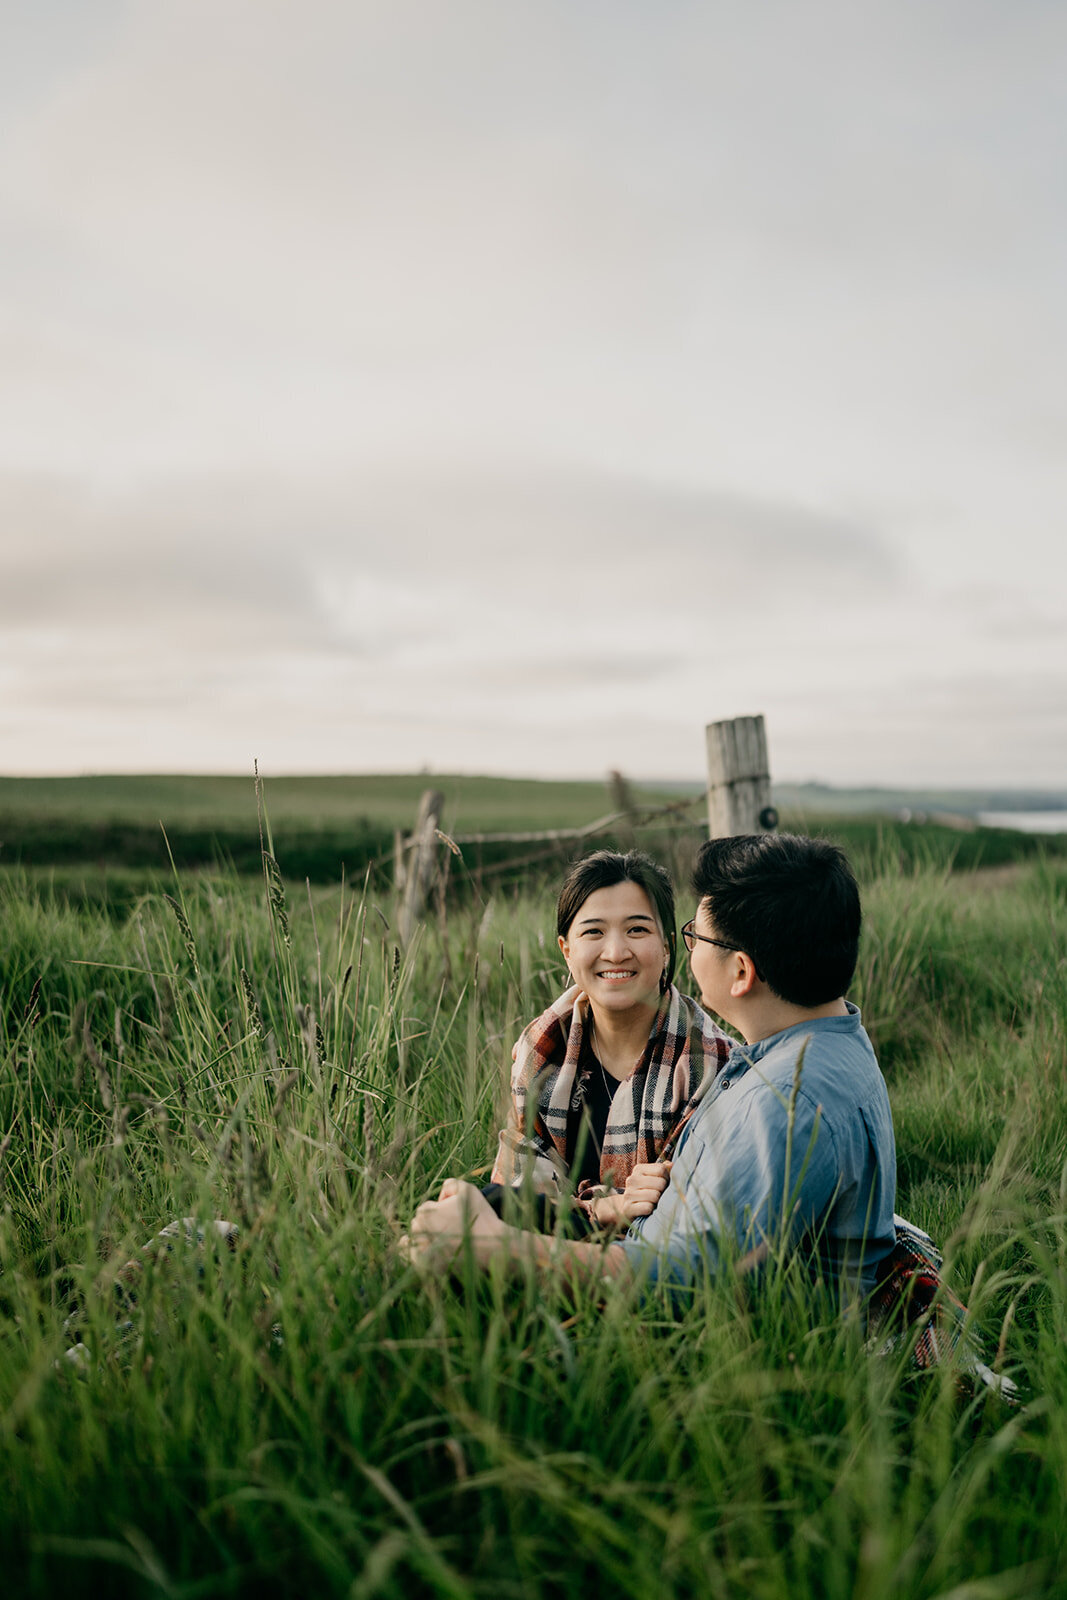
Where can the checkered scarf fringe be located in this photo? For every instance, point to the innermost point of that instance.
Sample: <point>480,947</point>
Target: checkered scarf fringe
<point>684,1053</point>
<point>912,1295</point>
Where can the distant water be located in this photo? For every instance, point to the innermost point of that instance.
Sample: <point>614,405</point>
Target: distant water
<point>1026,821</point>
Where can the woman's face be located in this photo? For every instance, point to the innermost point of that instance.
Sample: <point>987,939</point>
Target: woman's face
<point>615,948</point>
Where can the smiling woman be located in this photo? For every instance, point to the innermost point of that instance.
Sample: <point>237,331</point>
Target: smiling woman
<point>603,1081</point>
<point>618,954</point>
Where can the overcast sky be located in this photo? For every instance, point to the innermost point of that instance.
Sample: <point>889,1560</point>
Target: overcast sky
<point>518,385</point>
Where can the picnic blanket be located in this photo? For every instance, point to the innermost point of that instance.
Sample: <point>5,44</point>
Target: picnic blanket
<point>913,1303</point>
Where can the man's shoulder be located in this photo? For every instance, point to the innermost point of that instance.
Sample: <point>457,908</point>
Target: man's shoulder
<point>830,1059</point>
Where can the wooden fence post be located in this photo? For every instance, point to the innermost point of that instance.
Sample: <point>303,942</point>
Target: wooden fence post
<point>421,865</point>
<point>623,801</point>
<point>739,779</point>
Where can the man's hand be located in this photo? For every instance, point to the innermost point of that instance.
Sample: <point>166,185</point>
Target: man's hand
<point>440,1226</point>
<point>644,1188</point>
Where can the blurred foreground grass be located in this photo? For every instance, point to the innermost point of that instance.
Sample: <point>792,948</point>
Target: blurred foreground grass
<point>302,1416</point>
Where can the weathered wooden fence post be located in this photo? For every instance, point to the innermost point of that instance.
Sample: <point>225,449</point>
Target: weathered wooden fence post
<point>421,865</point>
<point>400,860</point>
<point>739,779</point>
<point>623,801</point>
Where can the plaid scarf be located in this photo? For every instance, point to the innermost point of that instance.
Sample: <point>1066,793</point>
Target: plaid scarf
<point>911,1294</point>
<point>684,1052</point>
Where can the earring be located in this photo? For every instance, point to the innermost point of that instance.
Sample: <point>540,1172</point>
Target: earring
<point>664,982</point>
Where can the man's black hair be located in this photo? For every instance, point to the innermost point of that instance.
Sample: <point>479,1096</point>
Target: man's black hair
<point>603,870</point>
<point>790,903</point>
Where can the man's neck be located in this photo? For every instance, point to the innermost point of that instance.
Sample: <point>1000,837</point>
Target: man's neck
<point>770,1015</point>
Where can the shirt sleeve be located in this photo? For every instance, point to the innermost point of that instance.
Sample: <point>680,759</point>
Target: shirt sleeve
<point>759,1167</point>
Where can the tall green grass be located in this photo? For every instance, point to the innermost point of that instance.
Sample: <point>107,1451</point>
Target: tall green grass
<point>304,1415</point>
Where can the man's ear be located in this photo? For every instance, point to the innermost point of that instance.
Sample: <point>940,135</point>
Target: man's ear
<point>745,977</point>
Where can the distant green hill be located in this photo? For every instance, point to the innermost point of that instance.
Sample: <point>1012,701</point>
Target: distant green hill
<point>821,798</point>
<point>328,827</point>
<point>385,800</point>
<point>321,825</point>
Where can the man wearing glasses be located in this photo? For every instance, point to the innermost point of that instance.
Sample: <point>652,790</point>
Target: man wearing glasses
<point>792,1145</point>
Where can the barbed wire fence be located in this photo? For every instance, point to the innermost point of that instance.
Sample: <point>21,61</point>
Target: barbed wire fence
<point>423,859</point>
<point>735,800</point>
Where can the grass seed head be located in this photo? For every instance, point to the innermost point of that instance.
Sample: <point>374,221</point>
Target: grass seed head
<point>276,895</point>
<point>185,930</point>
<point>255,1016</point>
<point>30,1014</point>
<point>103,1077</point>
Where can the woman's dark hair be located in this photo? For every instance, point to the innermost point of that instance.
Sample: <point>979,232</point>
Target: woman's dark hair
<point>790,903</point>
<point>603,870</point>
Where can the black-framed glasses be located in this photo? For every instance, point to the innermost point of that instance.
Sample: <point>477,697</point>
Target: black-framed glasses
<point>690,937</point>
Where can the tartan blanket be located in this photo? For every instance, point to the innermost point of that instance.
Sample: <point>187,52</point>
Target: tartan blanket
<point>911,1294</point>
<point>685,1051</point>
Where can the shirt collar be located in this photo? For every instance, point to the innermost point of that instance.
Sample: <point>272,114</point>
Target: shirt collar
<point>750,1053</point>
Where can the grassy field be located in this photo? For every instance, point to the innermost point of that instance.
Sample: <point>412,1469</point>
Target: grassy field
<point>303,1416</point>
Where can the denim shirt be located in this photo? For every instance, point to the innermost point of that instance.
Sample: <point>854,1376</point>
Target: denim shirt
<point>794,1140</point>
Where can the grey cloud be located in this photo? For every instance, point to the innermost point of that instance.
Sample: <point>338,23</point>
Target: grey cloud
<point>152,688</point>
<point>1008,617</point>
<point>237,558</point>
<point>189,553</point>
<point>551,524</point>
<point>597,672</point>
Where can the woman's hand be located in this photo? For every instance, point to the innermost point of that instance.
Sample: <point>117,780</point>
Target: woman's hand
<point>440,1226</point>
